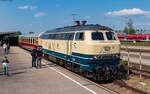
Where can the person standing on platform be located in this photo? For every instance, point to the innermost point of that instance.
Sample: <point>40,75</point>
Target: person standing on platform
<point>5,48</point>
<point>8,47</point>
<point>34,56</point>
<point>5,65</point>
<point>39,56</point>
<point>1,43</point>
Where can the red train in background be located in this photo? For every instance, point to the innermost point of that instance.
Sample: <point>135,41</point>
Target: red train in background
<point>134,37</point>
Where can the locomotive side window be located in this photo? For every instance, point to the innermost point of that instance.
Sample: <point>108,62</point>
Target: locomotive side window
<point>79,36</point>
<point>97,36</point>
<point>50,36</point>
<point>69,36</point>
<point>66,36</point>
<point>53,36</point>
<point>62,36</point>
<point>57,37</point>
<point>44,36</point>
<point>110,36</point>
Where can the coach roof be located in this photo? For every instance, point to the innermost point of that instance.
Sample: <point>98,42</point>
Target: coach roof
<point>78,28</point>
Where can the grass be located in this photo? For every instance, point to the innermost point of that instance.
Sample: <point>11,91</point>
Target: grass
<point>136,44</point>
<point>123,62</point>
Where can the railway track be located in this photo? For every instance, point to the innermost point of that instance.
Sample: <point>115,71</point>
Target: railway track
<point>145,70</point>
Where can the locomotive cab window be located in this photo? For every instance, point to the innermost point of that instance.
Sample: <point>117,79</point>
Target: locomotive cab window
<point>110,35</point>
<point>79,36</point>
<point>97,36</point>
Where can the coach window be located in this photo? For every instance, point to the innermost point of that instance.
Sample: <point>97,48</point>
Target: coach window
<point>139,37</point>
<point>79,36</point>
<point>30,40</point>
<point>135,37</point>
<point>97,36</point>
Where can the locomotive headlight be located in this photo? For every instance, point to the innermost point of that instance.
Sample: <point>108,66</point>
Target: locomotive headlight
<point>117,55</point>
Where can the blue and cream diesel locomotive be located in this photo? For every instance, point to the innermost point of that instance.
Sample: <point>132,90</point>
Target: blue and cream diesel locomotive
<point>85,49</point>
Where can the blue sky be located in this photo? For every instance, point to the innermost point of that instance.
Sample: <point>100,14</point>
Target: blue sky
<point>42,15</point>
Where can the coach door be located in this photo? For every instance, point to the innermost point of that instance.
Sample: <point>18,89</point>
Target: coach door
<point>69,43</point>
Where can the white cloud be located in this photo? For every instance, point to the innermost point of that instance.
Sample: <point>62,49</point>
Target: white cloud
<point>27,7</point>
<point>23,7</point>
<point>33,7</point>
<point>133,11</point>
<point>39,14</point>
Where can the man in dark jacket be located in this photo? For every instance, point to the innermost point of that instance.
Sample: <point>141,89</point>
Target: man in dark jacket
<point>34,57</point>
<point>39,56</point>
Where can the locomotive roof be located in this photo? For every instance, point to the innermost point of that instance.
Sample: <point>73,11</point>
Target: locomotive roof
<point>78,28</point>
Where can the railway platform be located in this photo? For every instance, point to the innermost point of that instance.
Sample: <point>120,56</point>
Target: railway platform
<point>50,79</point>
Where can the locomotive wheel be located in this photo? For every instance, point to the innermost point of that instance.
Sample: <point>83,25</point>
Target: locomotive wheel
<point>95,77</point>
<point>65,64</point>
<point>73,67</point>
<point>77,68</point>
<point>82,72</point>
<point>61,62</point>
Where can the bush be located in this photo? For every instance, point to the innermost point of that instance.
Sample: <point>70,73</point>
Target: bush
<point>124,62</point>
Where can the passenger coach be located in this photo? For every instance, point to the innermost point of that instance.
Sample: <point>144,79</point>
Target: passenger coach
<point>28,42</point>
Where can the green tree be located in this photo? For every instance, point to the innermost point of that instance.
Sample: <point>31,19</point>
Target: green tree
<point>15,34</point>
<point>126,30</point>
<point>31,32</point>
<point>129,29</point>
<point>18,33</point>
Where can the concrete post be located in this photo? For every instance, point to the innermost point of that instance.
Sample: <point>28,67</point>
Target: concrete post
<point>140,64</point>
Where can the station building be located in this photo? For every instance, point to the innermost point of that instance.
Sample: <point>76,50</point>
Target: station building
<point>6,36</point>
